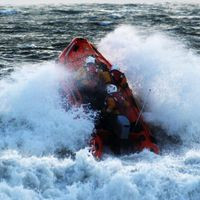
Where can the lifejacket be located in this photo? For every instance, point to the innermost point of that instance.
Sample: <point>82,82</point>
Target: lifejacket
<point>91,68</point>
<point>119,105</point>
<point>118,98</point>
<point>120,102</point>
<point>87,76</point>
<point>101,69</point>
<point>105,77</point>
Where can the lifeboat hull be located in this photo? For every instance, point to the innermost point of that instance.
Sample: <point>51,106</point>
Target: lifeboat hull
<point>140,137</point>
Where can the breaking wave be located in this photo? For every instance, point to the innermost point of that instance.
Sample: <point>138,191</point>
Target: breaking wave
<point>32,117</point>
<point>34,125</point>
<point>165,74</point>
<point>143,176</point>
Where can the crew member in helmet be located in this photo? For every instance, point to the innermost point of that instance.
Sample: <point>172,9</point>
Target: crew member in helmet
<point>86,74</point>
<point>114,105</point>
<point>118,78</point>
<point>104,73</point>
<point>90,85</point>
<point>94,73</point>
<point>115,102</point>
<point>115,109</point>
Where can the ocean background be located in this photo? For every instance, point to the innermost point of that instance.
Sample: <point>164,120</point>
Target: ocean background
<point>44,148</point>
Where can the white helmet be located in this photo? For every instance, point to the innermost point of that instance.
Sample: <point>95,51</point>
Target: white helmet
<point>115,67</point>
<point>90,59</point>
<point>111,88</point>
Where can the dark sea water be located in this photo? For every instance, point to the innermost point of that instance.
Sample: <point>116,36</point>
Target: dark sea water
<point>39,33</point>
<point>156,45</point>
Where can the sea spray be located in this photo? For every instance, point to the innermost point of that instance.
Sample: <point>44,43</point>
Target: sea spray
<point>34,124</point>
<point>32,116</point>
<point>169,69</point>
<point>139,176</point>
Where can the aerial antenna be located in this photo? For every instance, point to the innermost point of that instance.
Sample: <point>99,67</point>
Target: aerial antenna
<point>143,106</point>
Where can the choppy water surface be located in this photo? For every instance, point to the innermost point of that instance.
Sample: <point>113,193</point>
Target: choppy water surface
<point>157,46</point>
<point>35,34</point>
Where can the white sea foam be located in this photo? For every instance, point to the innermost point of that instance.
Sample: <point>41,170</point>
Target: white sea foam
<point>32,116</point>
<point>34,124</point>
<point>171,71</point>
<point>140,176</point>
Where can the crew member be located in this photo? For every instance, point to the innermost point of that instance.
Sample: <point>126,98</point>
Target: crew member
<point>118,78</point>
<point>86,75</point>
<point>90,85</point>
<point>115,102</point>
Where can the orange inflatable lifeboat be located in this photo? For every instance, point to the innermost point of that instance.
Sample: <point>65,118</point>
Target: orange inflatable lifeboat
<point>120,125</point>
